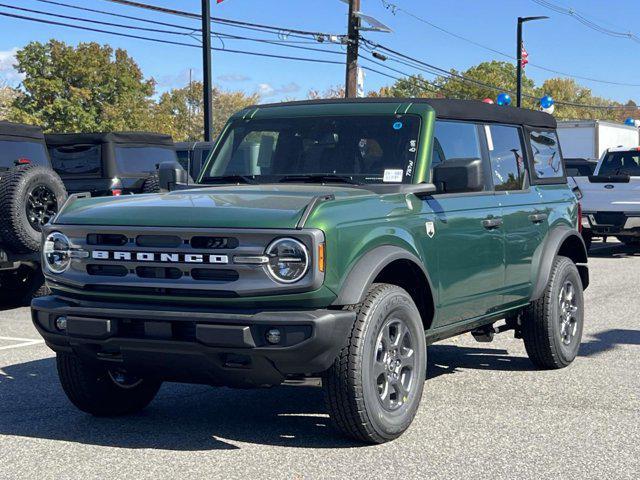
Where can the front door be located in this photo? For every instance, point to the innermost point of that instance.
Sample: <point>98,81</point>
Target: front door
<point>466,230</point>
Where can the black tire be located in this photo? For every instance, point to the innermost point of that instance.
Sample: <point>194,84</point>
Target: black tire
<point>587,236</point>
<point>356,383</point>
<point>94,390</point>
<point>552,336</point>
<point>151,184</point>
<point>30,196</point>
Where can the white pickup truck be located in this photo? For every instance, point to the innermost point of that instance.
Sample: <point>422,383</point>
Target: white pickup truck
<point>611,197</point>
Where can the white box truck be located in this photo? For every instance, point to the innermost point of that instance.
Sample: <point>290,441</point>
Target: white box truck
<point>589,139</point>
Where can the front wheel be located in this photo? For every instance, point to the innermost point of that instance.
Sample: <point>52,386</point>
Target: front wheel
<point>102,392</point>
<point>374,387</point>
<point>552,325</point>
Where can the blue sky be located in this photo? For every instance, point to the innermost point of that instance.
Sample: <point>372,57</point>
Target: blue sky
<point>560,43</point>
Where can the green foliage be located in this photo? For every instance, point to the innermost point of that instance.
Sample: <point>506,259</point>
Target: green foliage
<point>87,88</point>
<point>180,111</point>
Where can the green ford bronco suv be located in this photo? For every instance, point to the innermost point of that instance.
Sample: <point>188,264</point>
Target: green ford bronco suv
<point>332,239</point>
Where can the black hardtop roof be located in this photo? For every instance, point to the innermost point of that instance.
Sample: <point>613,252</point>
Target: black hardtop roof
<point>61,139</point>
<point>472,110</point>
<point>11,129</point>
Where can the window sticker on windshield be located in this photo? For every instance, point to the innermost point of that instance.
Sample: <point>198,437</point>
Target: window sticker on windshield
<point>397,125</point>
<point>392,175</point>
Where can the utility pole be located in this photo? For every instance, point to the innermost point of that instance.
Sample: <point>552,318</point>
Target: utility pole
<point>353,37</point>
<point>521,20</point>
<point>206,69</point>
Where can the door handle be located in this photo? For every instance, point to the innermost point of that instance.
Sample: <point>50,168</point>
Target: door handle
<point>538,217</point>
<point>492,223</point>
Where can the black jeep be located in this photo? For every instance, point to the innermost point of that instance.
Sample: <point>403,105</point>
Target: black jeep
<point>105,164</point>
<point>31,194</point>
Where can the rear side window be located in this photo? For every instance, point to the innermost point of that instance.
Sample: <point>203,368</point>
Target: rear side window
<point>621,163</point>
<point>77,160</point>
<point>507,161</point>
<point>547,162</point>
<point>13,152</point>
<point>183,158</point>
<point>454,140</point>
<point>142,160</point>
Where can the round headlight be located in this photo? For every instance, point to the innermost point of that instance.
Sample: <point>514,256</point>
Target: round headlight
<point>56,252</point>
<point>288,260</point>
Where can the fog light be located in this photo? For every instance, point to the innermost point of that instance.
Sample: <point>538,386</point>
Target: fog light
<point>274,336</point>
<point>61,323</point>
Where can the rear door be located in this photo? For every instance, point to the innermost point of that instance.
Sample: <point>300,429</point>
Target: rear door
<point>525,218</point>
<point>465,228</point>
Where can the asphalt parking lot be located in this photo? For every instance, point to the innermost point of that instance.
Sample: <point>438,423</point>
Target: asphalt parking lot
<point>486,412</point>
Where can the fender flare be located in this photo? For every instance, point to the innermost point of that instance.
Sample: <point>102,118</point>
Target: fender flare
<point>366,269</point>
<point>551,248</point>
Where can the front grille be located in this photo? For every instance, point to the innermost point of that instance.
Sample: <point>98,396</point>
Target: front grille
<point>616,219</point>
<point>177,262</point>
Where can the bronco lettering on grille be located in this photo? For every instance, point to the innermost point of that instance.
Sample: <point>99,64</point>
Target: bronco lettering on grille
<point>159,257</point>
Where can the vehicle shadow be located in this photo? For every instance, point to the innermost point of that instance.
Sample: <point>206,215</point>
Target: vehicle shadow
<point>608,340</point>
<point>445,359</point>
<point>613,250</point>
<point>182,417</point>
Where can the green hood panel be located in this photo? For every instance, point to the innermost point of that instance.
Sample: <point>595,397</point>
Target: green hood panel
<point>244,206</point>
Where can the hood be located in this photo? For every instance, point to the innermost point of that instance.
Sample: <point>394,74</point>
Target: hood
<point>609,196</point>
<point>245,206</point>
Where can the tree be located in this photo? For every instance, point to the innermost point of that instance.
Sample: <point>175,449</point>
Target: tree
<point>179,112</point>
<point>7,97</point>
<point>85,88</point>
<point>568,90</point>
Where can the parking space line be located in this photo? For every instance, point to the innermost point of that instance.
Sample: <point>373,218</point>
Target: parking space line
<point>24,342</point>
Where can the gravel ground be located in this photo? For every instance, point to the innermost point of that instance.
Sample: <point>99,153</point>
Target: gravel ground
<point>486,413</point>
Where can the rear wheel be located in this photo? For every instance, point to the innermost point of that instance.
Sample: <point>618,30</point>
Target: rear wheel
<point>151,184</point>
<point>103,392</point>
<point>20,286</point>
<point>374,387</point>
<point>552,325</point>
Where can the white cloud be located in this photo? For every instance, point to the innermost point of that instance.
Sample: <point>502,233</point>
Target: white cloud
<point>179,79</point>
<point>266,90</point>
<point>8,73</point>
<point>234,77</point>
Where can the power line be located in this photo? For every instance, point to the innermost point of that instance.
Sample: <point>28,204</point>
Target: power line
<point>169,42</point>
<point>137,28</point>
<point>452,75</point>
<point>197,16</point>
<point>393,8</point>
<point>585,21</point>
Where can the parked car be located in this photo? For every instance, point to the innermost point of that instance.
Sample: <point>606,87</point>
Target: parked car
<point>193,155</point>
<point>332,239</point>
<point>590,138</point>
<point>31,194</point>
<point>611,197</point>
<point>110,164</point>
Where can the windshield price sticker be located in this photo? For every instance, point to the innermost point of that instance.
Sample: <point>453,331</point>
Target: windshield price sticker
<point>392,175</point>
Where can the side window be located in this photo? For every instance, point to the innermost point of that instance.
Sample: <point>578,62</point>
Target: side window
<point>454,140</point>
<point>547,162</point>
<point>507,161</point>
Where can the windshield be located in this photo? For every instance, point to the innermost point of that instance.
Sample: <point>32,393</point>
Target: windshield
<point>343,149</point>
<point>14,152</point>
<point>621,163</point>
<point>137,160</point>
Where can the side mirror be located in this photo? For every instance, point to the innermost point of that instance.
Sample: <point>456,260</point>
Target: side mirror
<point>170,175</point>
<point>459,175</point>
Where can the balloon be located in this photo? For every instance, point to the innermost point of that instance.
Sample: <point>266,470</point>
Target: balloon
<point>546,101</point>
<point>504,99</point>
<point>488,100</point>
<point>637,123</point>
<point>549,110</point>
<point>630,121</point>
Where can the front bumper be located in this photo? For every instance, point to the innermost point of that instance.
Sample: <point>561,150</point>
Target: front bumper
<point>612,223</point>
<point>194,345</point>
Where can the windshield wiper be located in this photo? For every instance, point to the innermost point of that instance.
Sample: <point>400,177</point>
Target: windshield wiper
<point>319,178</point>
<point>249,179</point>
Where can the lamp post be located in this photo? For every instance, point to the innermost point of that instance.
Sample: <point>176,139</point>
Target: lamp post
<point>206,69</point>
<point>521,20</point>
